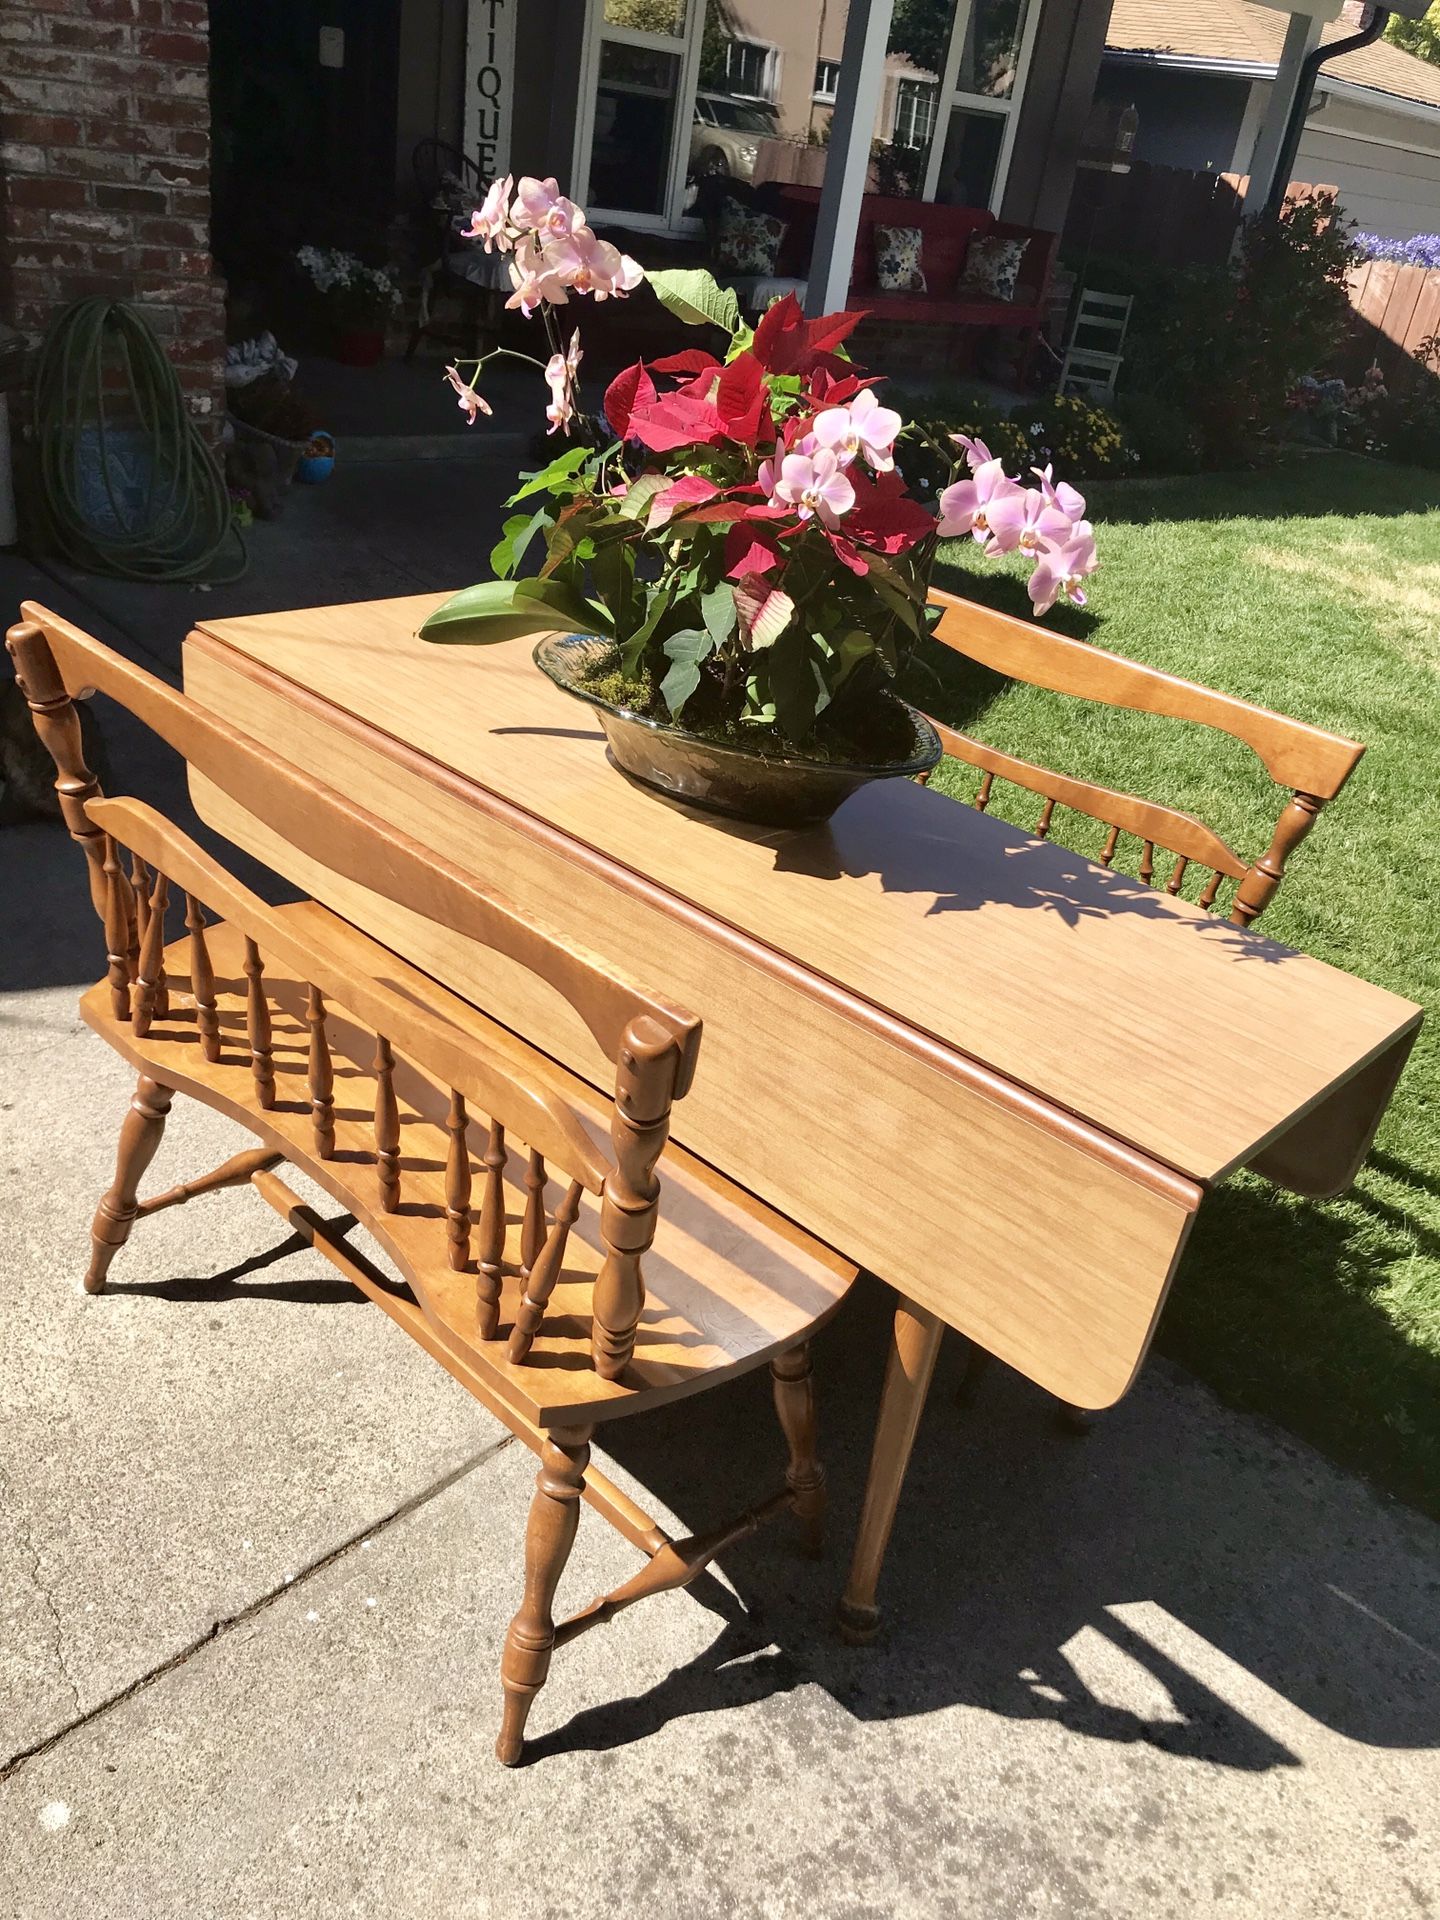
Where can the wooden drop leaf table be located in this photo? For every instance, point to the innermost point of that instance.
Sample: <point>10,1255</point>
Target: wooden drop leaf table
<point>1000,1077</point>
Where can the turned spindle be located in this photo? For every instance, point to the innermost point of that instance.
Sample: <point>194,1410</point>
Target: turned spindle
<point>202,980</point>
<point>151,1000</point>
<point>387,1127</point>
<point>457,1185</point>
<point>544,1271</point>
<point>321,1076</point>
<point>490,1267</point>
<point>640,1124</point>
<point>257,1026</point>
<point>532,1228</point>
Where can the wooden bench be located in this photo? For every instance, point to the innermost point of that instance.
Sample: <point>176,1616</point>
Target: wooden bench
<point>946,234</point>
<point>560,1303</point>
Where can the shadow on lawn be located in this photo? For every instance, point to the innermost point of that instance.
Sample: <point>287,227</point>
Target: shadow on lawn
<point>1300,487</point>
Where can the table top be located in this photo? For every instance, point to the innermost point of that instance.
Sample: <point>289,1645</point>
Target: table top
<point>1186,1038</point>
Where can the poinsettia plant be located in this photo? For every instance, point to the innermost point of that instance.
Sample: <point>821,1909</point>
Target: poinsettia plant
<point>738,526</point>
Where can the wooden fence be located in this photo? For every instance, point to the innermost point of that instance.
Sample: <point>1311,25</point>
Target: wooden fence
<point>1170,216</point>
<point>1397,309</point>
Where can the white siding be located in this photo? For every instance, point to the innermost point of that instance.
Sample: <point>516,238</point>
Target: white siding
<point>1386,165</point>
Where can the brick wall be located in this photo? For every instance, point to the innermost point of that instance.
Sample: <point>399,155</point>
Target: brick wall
<point>105,171</point>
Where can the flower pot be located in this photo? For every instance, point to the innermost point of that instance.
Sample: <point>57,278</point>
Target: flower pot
<point>360,346</point>
<point>317,463</point>
<point>731,777</point>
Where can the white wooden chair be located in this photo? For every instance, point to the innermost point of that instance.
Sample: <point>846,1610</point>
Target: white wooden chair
<point>1094,355</point>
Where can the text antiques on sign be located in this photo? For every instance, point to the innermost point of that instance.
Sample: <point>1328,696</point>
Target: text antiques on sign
<point>490,59</point>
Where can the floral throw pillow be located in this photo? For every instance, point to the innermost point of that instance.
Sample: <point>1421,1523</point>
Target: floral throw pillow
<point>897,260</point>
<point>992,266</point>
<point>747,241</point>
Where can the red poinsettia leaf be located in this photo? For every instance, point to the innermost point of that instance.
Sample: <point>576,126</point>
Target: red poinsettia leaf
<point>826,333</point>
<point>692,360</point>
<point>827,391</point>
<point>716,510</point>
<point>740,397</point>
<point>678,419</point>
<point>779,335</point>
<point>748,550</point>
<point>631,387</point>
<point>848,554</point>
<point>884,516</point>
<point>691,490</point>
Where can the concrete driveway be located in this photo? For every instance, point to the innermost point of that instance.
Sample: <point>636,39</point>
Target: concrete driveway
<point>257,1555</point>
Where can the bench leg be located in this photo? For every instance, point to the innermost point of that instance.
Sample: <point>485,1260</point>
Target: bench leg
<point>139,1137</point>
<point>549,1536</point>
<point>805,1477</point>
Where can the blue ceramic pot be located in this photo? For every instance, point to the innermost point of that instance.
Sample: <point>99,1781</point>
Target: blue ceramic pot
<point>317,466</point>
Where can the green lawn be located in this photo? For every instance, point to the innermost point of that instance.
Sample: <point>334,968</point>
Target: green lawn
<point>1314,588</point>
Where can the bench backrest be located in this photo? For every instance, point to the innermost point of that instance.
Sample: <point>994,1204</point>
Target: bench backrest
<point>651,1042</point>
<point>1313,764</point>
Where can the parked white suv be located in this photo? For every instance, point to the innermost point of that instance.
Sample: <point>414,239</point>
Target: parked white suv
<point>726,134</point>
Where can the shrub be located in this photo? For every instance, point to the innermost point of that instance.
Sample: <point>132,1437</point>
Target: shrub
<point>1084,440</point>
<point>1226,345</point>
<point>1161,434</point>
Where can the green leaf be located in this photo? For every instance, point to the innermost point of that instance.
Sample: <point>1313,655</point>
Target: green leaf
<point>696,297</point>
<point>685,650</point>
<point>643,489</point>
<point>496,610</point>
<point>565,466</point>
<point>515,536</point>
<point>797,686</point>
<point>717,610</point>
<point>632,650</point>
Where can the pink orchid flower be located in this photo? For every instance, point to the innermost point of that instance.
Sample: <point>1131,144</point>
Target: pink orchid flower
<point>977,454</point>
<point>592,265</point>
<point>862,427</point>
<point>560,373</point>
<point>491,222</point>
<point>966,505</point>
<point>1025,520</point>
<point>1060,493</point>
<point>542,209</point>
<point>534,279</point>
<point>1062,569</point>
<point>812,484</point>
<point>470,402</point>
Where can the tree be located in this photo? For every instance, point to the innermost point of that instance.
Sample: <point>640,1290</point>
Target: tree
<point>1420,37</point>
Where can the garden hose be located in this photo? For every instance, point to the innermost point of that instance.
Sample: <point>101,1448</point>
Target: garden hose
<point>126,484</point>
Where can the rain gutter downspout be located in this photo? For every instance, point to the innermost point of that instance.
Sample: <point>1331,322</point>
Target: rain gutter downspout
<point>1300,105</point>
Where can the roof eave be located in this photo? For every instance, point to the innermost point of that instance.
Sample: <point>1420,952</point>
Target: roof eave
<point>1158,60</point>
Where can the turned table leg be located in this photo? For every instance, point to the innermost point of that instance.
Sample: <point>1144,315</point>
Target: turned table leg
<point>914,1345</point>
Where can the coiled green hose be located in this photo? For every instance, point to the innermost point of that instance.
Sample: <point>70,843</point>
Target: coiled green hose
<point>103,393</point>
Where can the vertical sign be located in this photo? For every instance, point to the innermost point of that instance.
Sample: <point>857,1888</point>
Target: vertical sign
<point>490,84</point>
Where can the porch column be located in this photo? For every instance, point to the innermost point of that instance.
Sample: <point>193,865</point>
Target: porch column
<point>852,128</point>
<point>1301,37</point>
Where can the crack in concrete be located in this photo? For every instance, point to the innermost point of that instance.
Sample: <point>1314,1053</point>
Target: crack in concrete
<point>40,1585</point>
<point>220,1628</point>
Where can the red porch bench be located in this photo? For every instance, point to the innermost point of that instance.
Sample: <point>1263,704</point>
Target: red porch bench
<point>946,233</point>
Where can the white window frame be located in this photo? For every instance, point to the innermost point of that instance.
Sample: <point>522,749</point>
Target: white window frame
<point>952,100</point>
<point>770,78</point>
<point>686,45</point>
<point>919,87</point>
<point>826,99</point>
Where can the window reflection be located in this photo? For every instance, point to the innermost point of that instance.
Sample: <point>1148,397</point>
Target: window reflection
<point>647,16</point>
<point>990,51</point>
<point>634,116</point>
<point>972,158</point>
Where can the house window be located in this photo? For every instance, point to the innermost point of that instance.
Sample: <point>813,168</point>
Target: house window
<point>983,85</point>
<point>914,113</point>
<point>639,67</point>
<point>750,69</point>
<point>827,79</point>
